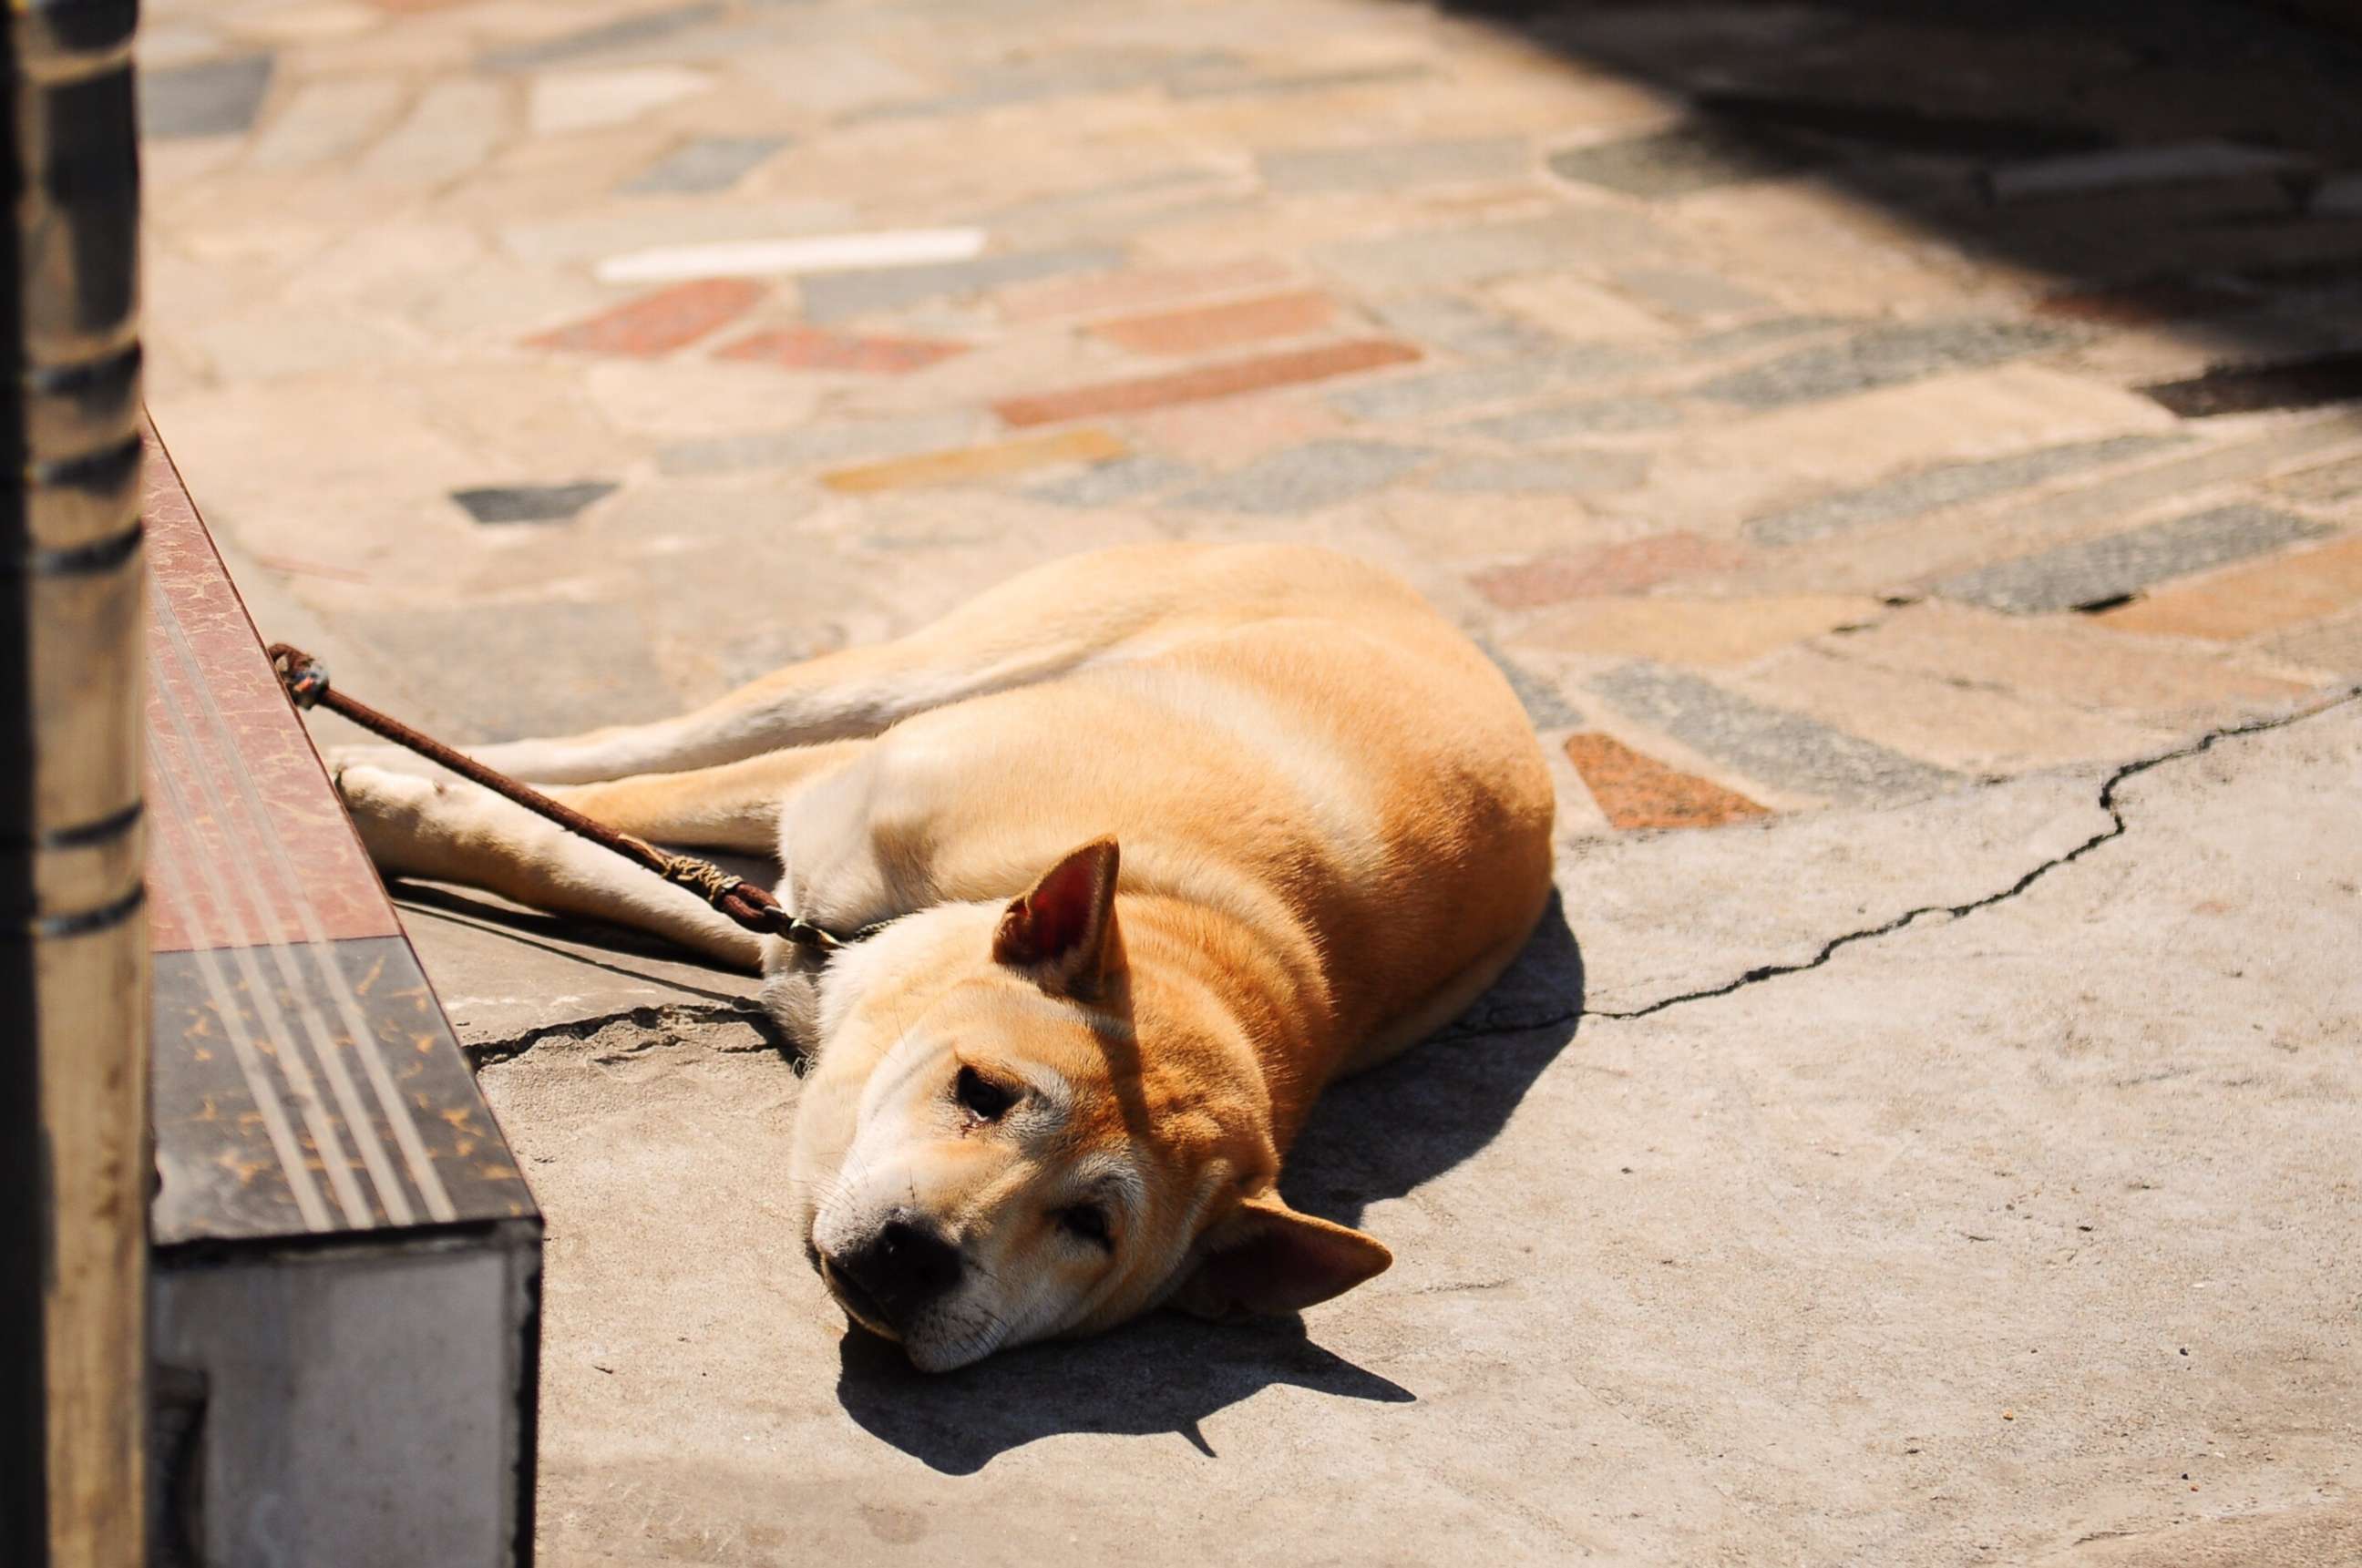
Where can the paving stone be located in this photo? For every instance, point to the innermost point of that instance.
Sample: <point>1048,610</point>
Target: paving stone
<point>971,463</point>
<point>1588,416</point>
<point>531,502</point>
<point>1783,749</point>
<point>817,446</point>
<point>1202,383</point>
<point>2093,571</point>
<point>1118,483</point>
<point>1545,473</point>
<point>1971,728</point>
<point>1137,288</point>
<point>570,101</point>
<point>324,121</point>
<point>1881,357</point>
<point>1546,706</point>
<point>1466,386</point>
<point>2139,305</point>
<point>817,348</point>
<point>213,97</point>
<point>452,129</point>
<point>1578,309</point>
<point>2127,168</point>
<point>1697,296</point>
<point>1035,79</point>
<point>1204,329</point>
<point>1636,791</point>
<point>709,163</point>
<point>2246,601</point>
<point>1243,82</point>
<point>734,238</point>
<point>1392,166</point>
<point>837,296</point>
<point>565,666</point>
<point>2312,381</point>
<point>2073,660</point>
<point>1306,477</point>
<point>1729,342</point>
<point>1674,163</point>
<point>657,322</point>
<point>1624,567</point>
<point>2326,485</point>
<point>590,42</point>
<point>1452,258</point>
<point>1948,485</point>
<point>2334,645</point>
<point>1716,632</point>
<point>1462,326</point>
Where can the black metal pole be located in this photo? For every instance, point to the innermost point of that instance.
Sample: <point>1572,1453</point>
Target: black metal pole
<point>74,948</point>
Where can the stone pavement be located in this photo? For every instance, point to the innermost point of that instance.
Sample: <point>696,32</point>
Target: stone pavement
<point>1857,431</point>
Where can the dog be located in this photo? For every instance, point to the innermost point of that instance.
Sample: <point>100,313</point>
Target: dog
<point>1159,841</point>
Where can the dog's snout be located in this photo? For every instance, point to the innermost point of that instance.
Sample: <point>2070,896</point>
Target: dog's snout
<point>906,1266</point>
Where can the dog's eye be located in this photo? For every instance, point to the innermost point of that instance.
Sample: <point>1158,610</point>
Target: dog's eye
<point>981,1097</point>
<point>1089,1221</point>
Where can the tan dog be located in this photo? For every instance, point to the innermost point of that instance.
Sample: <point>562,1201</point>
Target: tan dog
<point>1055,1091</point>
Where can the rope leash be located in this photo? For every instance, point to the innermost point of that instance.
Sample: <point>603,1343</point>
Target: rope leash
<point>744,903</point>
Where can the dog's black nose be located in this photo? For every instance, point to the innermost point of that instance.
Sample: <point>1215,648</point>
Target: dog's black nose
<point>902,1268</point>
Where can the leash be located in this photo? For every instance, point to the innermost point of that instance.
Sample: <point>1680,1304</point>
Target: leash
<point>745,904</point>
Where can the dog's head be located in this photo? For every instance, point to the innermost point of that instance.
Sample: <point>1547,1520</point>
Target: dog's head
<point>1042,1137</point>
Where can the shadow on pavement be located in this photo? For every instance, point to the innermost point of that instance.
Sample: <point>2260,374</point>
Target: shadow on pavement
<point>2193,160</point>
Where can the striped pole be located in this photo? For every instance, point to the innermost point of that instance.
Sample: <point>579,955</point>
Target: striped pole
<point>74,1162</point>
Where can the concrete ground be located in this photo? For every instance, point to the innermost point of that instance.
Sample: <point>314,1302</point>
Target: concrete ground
<point>1908,467</point>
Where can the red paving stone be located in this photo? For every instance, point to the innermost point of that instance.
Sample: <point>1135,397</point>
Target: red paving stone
<point>1205,382</point>
<point>657,322</point>
<point>1225,326</point>
<point>2286,590</point>
<point>965,464</point>
<point>1627,568</point>
<point>815,349</point>
<point>1637,791</point>
<point>1138,289</point>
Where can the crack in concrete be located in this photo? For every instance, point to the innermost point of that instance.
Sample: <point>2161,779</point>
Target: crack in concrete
<point>668,1023</point>
<point>2117,827</point>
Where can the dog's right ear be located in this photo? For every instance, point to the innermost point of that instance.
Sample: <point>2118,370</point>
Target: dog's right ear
<point>1268,1260</point>
<point>1062,930</point>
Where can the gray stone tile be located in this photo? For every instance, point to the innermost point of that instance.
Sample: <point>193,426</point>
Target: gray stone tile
<point>1463,326</point>
<point>1689,294</point>
<point>2094,572</point>
<point>1694,157</point>
<point>820,446</point>
<point>1114,483</point>
<point>1546,473</point>
<point>1949,484</point>
<point>531,502</point>
<point>1067,76</point>
<point>835,296</point>
<point>1464,386</point>
<point>2324,486</point>
<point>709,163</point>
<point>1884,356</point>
<point>562,668</point>
<point>2112,499</point>
<point>1545,704</point>
<point>1780,749</point>
<point>1729,342</point>
<point>1243,82</point>
<point>1450,258</point>
<point>1392,166</point>
<point>591,42</point>
<point>1306,477</point>
<point>1590,416</point>
<point>214,97</point>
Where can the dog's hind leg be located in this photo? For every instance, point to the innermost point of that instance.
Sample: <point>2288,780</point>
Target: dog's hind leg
<point>1036,627</point>
<point>448,830</point>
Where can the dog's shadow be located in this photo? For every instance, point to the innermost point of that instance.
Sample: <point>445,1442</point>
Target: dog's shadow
<point>1374,1137</point>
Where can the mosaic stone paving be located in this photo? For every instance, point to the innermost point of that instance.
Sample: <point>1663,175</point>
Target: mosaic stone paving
<point>1804,408</point>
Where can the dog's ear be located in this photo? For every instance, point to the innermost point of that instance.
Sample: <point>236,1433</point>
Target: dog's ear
<point>1062,929</point>
<point>1267,1260</point>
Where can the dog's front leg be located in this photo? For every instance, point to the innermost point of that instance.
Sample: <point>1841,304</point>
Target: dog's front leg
<point>451,831</point>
